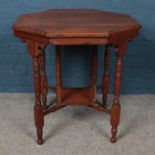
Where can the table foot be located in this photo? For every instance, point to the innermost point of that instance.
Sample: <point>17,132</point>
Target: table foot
<point>39,122</point>
<point>39,134</point>
<point>114,132</point>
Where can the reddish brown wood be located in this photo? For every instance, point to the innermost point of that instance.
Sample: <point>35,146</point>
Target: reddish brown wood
<point>75,27</point>
<point>116,107</point>
<point>78,96</point>
<point>74,23</point>
<point>53,109</point>
<point>94,51</point>
<point>44,83</point>
<point>58,75</point>
<point>106,77</point>
<point>99,107</point>
<point>78,41</point>
<point>38,108</point>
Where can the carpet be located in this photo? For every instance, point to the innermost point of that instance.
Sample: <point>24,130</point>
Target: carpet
<point>77,130</point>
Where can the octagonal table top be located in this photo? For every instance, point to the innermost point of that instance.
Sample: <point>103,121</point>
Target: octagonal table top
<point>75,23</point>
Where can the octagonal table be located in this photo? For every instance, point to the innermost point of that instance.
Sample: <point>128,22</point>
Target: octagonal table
<point>76,27</point>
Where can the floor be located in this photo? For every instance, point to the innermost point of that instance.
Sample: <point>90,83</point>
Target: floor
<point>77,130</point>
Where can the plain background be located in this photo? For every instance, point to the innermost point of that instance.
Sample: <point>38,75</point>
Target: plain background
<point>15,63</point>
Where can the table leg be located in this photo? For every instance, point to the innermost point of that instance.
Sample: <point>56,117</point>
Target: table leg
<point>44,84</point>
<point>94,51</point>
<point>38,108</point>
<point>58,74</point>
<point>105,87</point>
<point>34,50</point>
<point>116,107</point>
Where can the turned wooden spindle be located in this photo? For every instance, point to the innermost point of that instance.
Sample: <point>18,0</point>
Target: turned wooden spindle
<point>94,51</point>
<point>116,107</point>
<point>44,83</point>
<point>58,74</point>
<point>106,80</point>
<point>38,108</point>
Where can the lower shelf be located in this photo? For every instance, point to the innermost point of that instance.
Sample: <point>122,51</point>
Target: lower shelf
<point>78,96</point>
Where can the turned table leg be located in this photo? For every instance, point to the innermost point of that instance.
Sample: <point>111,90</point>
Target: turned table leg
<point>58,75</point>
<point>94,51</point>
<point>115,110</point>
<point>38,108</point>
<point>44,83</point>
<point>116,107</point>
<point>34,50</point>
<point>105,87</point>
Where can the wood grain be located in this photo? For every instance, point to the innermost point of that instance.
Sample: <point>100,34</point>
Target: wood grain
<point>74,23</point>
<point>76,27</point>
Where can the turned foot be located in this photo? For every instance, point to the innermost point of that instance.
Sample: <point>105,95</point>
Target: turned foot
<point>113,139</point>
<point>40,134</point>
<point>114,132</point>
<point>40,141</point>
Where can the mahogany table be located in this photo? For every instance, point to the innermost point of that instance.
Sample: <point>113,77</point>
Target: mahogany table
<point>76,27</point>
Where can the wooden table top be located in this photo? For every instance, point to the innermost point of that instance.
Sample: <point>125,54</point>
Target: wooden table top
<point>75,23</point>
